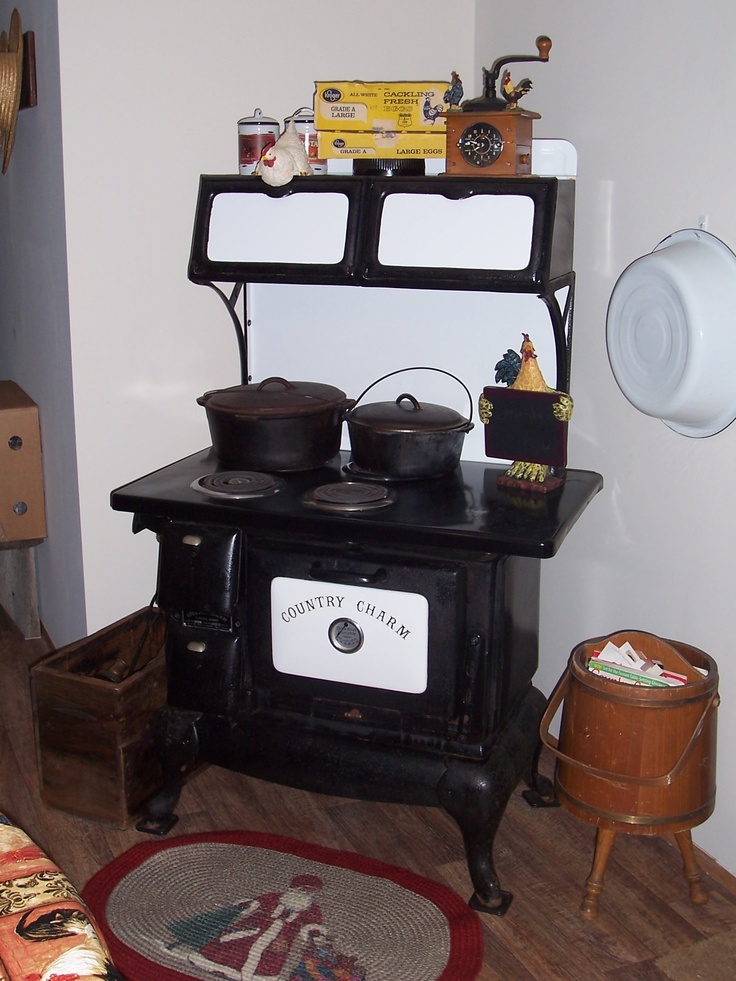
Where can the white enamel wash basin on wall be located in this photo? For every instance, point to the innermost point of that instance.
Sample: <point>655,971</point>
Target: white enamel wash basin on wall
<point>671,334</point>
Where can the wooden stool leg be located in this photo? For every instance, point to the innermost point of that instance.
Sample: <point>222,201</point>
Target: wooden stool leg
<point>698,892</point>
<point>604,840</point>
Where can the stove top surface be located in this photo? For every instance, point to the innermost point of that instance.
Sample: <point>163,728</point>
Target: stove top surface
<point>464,509</point>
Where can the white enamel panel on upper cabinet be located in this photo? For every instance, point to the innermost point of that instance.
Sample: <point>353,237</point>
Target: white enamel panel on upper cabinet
<point>436,232</point>
<point>303,228</point>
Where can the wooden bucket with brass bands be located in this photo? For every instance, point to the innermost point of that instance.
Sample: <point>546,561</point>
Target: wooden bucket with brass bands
<point>636,759</point>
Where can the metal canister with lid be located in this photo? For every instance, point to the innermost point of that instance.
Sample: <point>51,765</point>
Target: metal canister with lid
<point>255,134</point>
<point>304,125</point>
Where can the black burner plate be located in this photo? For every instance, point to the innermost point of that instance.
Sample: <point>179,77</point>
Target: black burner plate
<point>349,496</point>
<point>237,485</point>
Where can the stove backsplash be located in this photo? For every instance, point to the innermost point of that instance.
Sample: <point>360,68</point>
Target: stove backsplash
<point>352,337</point>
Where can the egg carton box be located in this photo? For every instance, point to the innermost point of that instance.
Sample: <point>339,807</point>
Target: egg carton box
<point>380,106</point>
<point>404,146</point>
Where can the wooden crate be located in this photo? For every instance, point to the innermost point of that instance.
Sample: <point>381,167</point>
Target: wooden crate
<point>94,737</point>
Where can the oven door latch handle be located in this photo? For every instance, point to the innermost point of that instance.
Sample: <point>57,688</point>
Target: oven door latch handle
<point>345,577</point>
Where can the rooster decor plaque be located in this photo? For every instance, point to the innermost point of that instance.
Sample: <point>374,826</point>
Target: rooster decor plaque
<point>492,136</point>
<point>526,422</point>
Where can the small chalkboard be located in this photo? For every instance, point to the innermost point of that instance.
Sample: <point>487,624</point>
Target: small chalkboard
<point>523,427</point>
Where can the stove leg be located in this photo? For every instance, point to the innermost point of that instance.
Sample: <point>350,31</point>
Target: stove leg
<point>541,792</point>
<point>475,795</point>
<point>177,746</point>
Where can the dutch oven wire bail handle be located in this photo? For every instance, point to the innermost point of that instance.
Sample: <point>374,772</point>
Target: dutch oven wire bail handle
<point>406,395</point>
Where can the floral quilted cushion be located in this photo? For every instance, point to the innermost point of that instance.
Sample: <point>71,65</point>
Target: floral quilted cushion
<point>46,931</point>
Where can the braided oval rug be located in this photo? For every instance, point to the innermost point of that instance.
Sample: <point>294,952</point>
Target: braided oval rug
<point>259,907</point>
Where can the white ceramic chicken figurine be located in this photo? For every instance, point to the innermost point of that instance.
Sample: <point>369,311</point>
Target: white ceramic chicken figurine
<point>287,158</point>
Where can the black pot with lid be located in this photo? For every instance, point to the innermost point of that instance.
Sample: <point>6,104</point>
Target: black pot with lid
<point>407,439</point>
<point>276,425</point>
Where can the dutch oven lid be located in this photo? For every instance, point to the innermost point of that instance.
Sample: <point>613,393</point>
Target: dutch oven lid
<point>275,397</point>
<point>407,415</point>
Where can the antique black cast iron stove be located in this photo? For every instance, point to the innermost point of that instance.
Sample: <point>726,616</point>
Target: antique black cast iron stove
<point>375,640</point>
<point>383,654</point>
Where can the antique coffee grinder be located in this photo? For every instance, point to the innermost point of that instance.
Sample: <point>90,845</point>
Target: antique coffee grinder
<point>491,136</point>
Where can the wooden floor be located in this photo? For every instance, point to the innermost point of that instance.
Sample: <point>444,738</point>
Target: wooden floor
<point>542,856</point>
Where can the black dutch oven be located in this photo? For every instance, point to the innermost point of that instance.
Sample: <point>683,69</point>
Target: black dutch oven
<point>276,425</point>
<point>406,439</point>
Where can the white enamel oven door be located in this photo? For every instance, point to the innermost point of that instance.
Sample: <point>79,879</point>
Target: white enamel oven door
<point>350,634</point>
<point>371,638</point>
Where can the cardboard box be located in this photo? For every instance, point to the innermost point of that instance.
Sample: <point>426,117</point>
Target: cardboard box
<point>406,146</point>
<point>94,737</point>
<point>382,106</point>
<point>22,507</point>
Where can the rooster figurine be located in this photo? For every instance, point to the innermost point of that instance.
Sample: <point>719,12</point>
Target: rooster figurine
<point>512,93</point>
<point>454,94</point>
<point>287,158</point>
<point>522,372</point>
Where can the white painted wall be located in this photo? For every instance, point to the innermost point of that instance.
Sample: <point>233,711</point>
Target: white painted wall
<point>34,318</point>
<point>151,94</point>
<point>147,98</point>
<point>645,92</point>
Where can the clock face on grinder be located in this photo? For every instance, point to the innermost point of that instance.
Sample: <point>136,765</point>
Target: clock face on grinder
<point>496,143</point>
<point>480,144</point>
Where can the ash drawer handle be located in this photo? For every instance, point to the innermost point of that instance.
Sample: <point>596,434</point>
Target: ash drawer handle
<point>197,646</point>
<point>319,572</point>
<point>192,540</point>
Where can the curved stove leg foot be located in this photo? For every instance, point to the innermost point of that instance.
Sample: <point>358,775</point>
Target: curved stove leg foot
<point>475,795</point>
<point>177,746</point>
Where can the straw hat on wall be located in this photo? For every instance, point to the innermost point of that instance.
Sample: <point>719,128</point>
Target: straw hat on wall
<point>11,75</point>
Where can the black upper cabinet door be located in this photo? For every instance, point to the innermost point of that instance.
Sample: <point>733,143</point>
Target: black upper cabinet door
<point>500,235</point>
<point>304,232</point>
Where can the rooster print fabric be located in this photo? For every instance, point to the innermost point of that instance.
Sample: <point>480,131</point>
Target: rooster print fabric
<point>46,931</point>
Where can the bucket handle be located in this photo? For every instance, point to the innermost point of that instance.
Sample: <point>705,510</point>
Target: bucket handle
<point>664,780</point>
<point>442,371</point>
